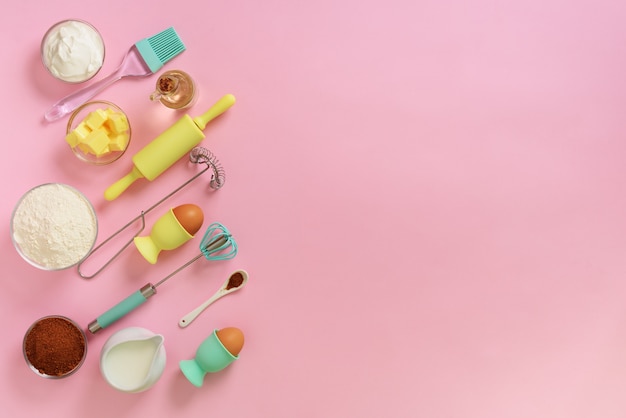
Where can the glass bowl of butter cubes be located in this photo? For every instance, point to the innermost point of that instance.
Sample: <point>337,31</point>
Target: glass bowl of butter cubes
<point>98,132</point>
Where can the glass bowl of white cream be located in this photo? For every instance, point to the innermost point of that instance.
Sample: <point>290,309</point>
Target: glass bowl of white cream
<point>53,226</point>
<point>72,51</point>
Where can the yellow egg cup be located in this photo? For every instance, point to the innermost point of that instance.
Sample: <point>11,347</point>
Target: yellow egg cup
<point>167,234</point>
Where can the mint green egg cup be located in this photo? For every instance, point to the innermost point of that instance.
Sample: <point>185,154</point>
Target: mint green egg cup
<point>211,356</point>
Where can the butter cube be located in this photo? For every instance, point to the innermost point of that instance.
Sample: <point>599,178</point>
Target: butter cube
<point>95,119</point>
<point>97,142</point>
<point>72,139</point>
<point>82,130</point>
<point>118,142</point>
<point>117,123</point>
<point>77,135</point>
<point>83,147</point>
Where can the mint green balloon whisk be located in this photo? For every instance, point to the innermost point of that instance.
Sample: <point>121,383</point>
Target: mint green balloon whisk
<point>217,244</point>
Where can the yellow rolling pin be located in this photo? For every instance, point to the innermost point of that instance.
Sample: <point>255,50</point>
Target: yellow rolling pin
<point>169,147</point>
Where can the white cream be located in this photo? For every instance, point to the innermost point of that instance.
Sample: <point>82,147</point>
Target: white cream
<point>73,51</point>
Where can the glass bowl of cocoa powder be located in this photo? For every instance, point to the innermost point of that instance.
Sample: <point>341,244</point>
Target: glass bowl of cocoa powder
<point>54,347</point>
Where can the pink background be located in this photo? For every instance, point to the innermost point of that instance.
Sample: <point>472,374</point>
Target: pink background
<point>428,196</point>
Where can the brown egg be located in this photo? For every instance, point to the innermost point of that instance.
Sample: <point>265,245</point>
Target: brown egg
<point>190,217</point>
<point>232,339</point>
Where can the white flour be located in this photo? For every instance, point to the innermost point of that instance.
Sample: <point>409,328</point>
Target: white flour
<point>54,226</point>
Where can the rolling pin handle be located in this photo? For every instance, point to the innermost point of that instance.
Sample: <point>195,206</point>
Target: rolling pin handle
<point>221,106</point>
<point>122,184</point>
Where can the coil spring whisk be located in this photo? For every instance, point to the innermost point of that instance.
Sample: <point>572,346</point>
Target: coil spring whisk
<point>201,155</point>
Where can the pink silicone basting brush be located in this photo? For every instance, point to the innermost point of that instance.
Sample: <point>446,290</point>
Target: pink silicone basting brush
<point>142,59</point>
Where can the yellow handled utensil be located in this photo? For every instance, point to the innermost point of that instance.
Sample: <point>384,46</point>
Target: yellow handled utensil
<point>169,147</point>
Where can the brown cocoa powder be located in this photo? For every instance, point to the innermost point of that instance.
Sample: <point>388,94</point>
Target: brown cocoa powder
<point>54,346</point>
<point>235,281</point>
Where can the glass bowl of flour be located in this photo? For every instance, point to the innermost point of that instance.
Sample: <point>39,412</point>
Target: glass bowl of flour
<point>53,226</point>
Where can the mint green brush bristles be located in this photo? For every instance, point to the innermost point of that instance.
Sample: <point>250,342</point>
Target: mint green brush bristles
<point>160,48</point>
<point>142,59</point>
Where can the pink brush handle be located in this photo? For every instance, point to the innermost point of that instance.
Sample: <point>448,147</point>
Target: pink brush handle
<point>71,102</point>
<point>132,65</point>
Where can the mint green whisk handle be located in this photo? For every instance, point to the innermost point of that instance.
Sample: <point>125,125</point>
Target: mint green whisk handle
<point>122,308</point>
<point>217,244</point>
